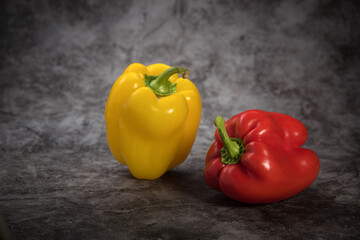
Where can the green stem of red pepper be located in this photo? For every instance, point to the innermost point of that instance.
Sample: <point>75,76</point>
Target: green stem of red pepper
<point>161,85</point>
<point>233,147</point>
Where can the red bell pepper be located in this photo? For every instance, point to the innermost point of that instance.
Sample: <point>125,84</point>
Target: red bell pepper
<point>257,157</point>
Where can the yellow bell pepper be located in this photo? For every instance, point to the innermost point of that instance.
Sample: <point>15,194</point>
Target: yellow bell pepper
<point>152,117</point>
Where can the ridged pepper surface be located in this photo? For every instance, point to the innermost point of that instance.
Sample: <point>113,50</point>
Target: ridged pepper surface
<point>152,117</point>
<point>257,157</point>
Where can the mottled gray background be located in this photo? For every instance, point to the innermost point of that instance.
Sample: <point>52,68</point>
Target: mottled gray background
<point>59,59</point>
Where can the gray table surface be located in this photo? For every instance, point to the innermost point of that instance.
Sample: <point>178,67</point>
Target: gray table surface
<point>59,59</point>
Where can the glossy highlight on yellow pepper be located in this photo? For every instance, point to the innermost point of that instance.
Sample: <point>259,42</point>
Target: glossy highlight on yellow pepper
<point>152,117</point>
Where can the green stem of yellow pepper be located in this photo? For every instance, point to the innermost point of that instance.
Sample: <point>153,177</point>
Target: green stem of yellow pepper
<point>161,84</point>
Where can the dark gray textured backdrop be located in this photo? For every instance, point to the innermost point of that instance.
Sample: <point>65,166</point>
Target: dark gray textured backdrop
<point>59,59</point>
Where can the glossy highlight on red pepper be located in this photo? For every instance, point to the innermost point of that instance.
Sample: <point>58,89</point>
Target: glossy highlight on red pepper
<point>257,157</point>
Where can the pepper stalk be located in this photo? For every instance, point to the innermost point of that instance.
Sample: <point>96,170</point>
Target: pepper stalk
<point>233,147</point>
<point>161,85</point>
